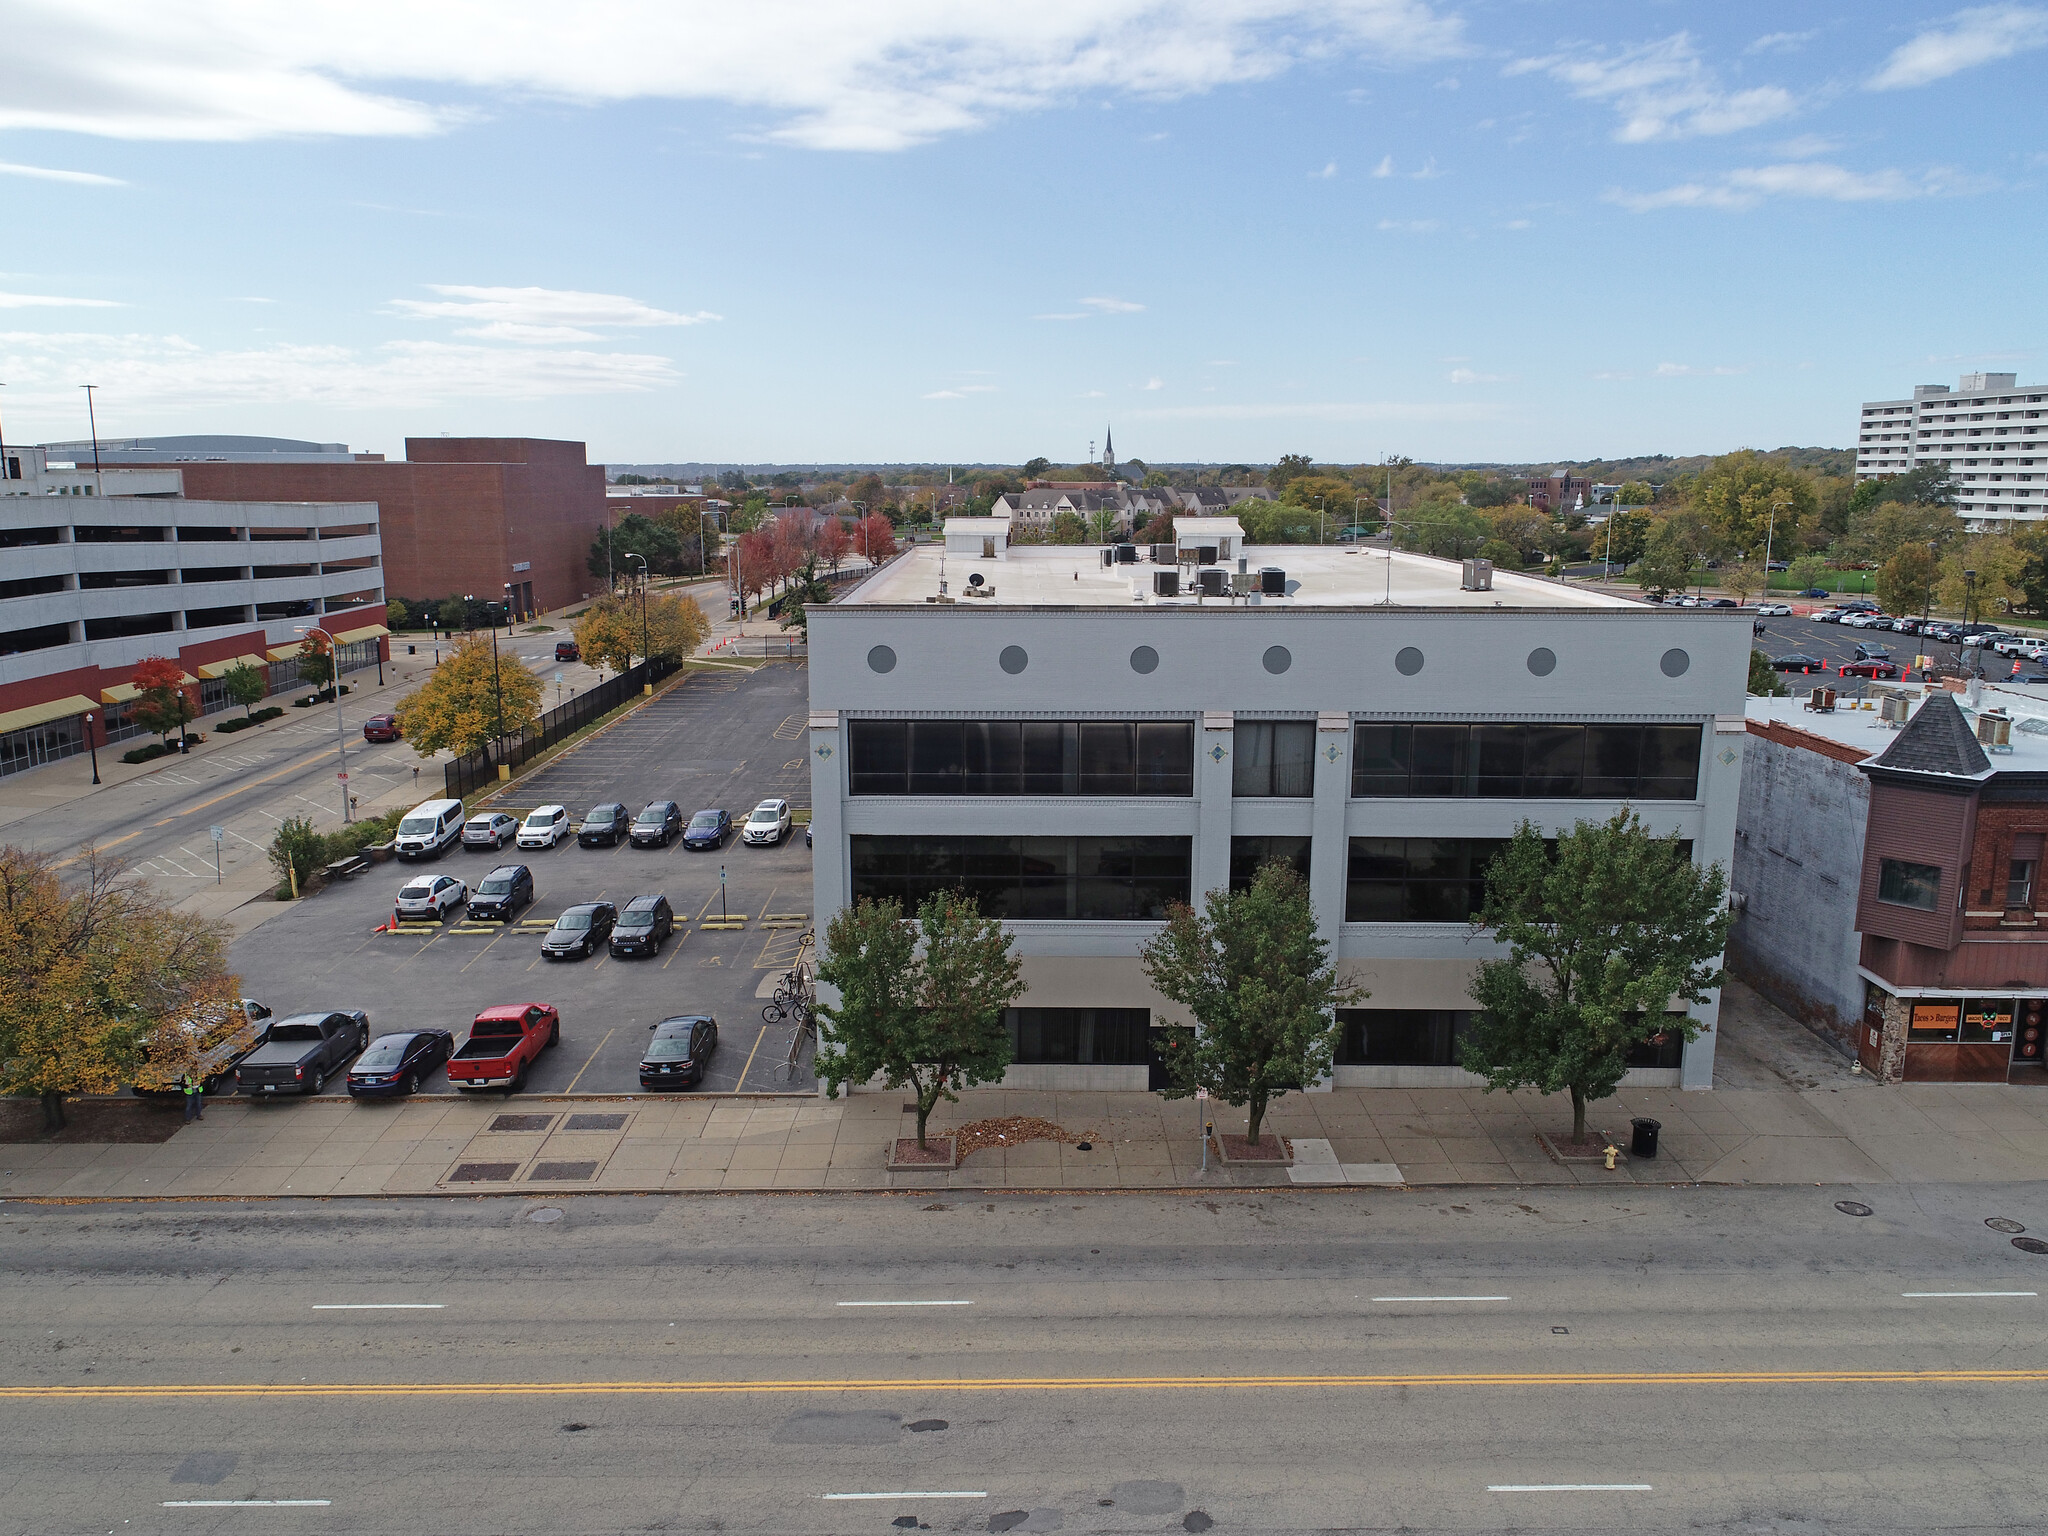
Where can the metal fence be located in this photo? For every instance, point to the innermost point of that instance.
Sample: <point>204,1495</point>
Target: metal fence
<point>464,775</point>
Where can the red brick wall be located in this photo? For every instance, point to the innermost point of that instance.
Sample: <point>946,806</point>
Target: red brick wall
<point>457,515</point>
<point>1991,857</point>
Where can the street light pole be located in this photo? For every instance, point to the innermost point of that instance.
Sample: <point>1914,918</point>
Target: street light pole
<point>340,733</point>
<point>92,746</point>
<point>643,601</point>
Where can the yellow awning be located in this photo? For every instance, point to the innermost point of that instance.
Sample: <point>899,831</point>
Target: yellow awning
<point>121,693</point>
<point>283,652</point>
<point>43,714</point>
<point>367,632</point>
<point>222,668</point>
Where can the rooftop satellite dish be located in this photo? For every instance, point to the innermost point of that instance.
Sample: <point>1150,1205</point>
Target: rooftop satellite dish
<point>975,580</point>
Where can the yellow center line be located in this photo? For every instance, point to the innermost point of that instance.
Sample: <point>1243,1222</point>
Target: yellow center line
<point>592,1057</point>
<point>1041,1384</point>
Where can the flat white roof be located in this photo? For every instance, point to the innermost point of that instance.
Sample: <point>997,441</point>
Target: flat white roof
<point>983,525</point>
<point>1867,731</point>
<point>1187,529</point>
<point>1317,576</point>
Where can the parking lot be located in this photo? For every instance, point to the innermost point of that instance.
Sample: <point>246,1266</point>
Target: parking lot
<point>716,740</point>
<point>1834,644</point>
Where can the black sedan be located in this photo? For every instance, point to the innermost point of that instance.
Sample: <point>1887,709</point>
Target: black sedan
<point>708,829</point>
<point>604,824</point>
<point>580,930</point>
<point>395,1065</point>
<point>653,827</point>
<point>1797,662</point>
<point>679,1052</point>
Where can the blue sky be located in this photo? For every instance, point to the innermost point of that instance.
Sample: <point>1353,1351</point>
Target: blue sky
<point>914,230</point>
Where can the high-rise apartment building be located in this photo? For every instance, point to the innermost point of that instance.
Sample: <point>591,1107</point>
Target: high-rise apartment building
<point>1990,431</point>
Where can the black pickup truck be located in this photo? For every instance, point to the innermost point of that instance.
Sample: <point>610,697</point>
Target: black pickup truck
<point>303,1051</point>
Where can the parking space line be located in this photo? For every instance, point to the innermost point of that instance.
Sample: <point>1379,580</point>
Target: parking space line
<point>593,1056</point>
<point>677,950</point>
<point>741,1085</point>
<point>503,930</point>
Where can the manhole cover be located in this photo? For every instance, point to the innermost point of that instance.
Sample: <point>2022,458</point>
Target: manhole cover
<point>2030,1245</point>
<point>545,1214</point>
<point>596,1123</point>
<point>1852,1207</point>
<point>482,1173</point>
<point>522,1122</point>
<point>563,1171</point>
<point>2003,1224</point>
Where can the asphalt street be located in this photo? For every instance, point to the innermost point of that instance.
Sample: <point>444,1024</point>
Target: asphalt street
<point>1677,1360</point>
<point>715,739</point>
<point>159,822</point>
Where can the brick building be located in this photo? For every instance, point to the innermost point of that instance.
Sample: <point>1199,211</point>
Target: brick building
<point>1888,866</point>
<point>457,514</point>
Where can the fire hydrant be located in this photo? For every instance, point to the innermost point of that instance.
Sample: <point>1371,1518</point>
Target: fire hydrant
<point>1612,1152</point>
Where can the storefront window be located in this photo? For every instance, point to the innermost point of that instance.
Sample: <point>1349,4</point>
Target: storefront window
<point>1987,1020</point>
<point>1934,1022</point>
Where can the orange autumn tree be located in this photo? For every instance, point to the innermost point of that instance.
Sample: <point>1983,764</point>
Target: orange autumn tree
<point>97,972</point>
<point>162,705</point>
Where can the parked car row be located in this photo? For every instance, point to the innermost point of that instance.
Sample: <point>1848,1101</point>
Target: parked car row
<point>298,1055</point>
<point>646,923</point>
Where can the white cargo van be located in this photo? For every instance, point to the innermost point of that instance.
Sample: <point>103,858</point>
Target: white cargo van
<point>429,828</point>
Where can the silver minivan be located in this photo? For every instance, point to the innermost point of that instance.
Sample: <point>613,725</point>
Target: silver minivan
<point>429,829</point>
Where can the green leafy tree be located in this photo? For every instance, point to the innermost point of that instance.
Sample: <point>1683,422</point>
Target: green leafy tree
<point>459,707</point>
<point>1034,469</point>
<point>1258,981</point>
<point>247,686</point>
<point>1602,933</point>
<point>1067,528</point>
<point>1763,681</point>
<point>398,613</point>
<point>1503,554</point>
<point>296,851</point>
<point>807,590</point>
<point>1333,500</point>
<point>1742,581</point>
<point>2030,542</point>
<point>635,534</point>
<point>1636,493</point>
<point>1906,582</point>
<point>1745,496</point>
<point>1624,538</point>
<point>1882,529</point>
<point>1809,570</point>
<point>925,1017</point>
<point>1291,467</point>
<point>1102,523</point>
<point>1443,528</point>
<point>1667,560</point>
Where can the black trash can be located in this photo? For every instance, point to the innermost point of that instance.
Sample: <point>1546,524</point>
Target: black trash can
<point>1644,1142</point>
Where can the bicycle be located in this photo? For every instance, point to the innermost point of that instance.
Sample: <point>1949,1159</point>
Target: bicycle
<point>792,1064</point>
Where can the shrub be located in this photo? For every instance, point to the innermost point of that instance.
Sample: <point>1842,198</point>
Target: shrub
<point>154,750</point>
<point>229,727</point>
<point>271,712</point>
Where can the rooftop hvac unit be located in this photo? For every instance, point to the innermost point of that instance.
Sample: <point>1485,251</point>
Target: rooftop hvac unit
<point>1994,731</point>
<point>1892,709</point>
<point>1478,576</point>
<point>1205,554</point>
<point>1243,583</point>
<point>1166,583</point>
<point>1212,582</point>
<point>1821,701</point>
<point>1127,554</point>
<point>1272,581</point>
<point>1243,565</point>
<point>1109,557</point>
<point>1164,554</point>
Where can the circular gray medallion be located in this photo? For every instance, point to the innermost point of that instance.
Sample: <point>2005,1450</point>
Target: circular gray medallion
<point>1675,662</point>
<point>1408,661</point>
<point>1144,659</point>
<point>1278,659</point>
<point>881,659</point>
<point>1542,661</point>
<point>1013,660</point>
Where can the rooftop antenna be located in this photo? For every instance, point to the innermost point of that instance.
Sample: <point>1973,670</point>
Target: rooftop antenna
<point>99,486</point>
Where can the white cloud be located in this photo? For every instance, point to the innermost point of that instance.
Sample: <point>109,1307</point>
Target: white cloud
<point>1782,42</point>
<point>250,298</point>
<point>1109,306</point>
<point>1809,146</point>
<point>1155,382</point>
<point>52,301</point>
<point>1982,35</point>
<point>1091,394</point>
<point>538,315</point>
<point>960,392</point>
<point>943,394</point>
<point>1363,410</point>
<point>1409,226</point>
<point>1325,174</point>
<point>1429,172</point>
<point>45,173</point>
<point>1385,168</point>
<point>1687,371</point>
<point>1517,224</point>
<point>1736,190</point>
<point>165,375</point>
<point>817,73</point>
<point>1066,316</point>
<point>1663,90</point>
<point>1467,376</point>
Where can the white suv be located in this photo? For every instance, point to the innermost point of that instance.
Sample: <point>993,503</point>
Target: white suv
<point>432,896</point>
<point>546,826</point>
<point>769,824</point>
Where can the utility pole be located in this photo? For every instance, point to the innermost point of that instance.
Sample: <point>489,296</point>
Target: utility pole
<point>99,487</point>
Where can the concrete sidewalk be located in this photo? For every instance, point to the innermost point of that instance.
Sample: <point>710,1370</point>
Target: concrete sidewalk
<point>1790,1112</point>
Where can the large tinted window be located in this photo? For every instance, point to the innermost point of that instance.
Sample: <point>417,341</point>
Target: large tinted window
<point>1247,854</point>
<point>1535,762</point>
<point>1275,757</point>
<point>1021,757</point>
<point>1079,1036</point>
<point>1024,878</point>
<point>1401,1037</point>
<point>1417,879</point>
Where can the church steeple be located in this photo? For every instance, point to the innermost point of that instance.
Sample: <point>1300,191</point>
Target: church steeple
<point>1108,452</point>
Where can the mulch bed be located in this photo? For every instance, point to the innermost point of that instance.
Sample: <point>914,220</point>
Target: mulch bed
<point>1014,1130</point>
<point>1270,1149</point>
<point>93,1120</point>
<point>1591,1148</point>
<point>937,1152</point>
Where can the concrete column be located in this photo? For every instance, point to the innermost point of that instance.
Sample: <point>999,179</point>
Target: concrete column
<point>831,880</point>
<point>1215,762</point>
<point>1720,794</point>
<point>1329,851</point>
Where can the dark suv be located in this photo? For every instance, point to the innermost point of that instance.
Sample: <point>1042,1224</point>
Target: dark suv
<point>604,824</point>
<point>579,931</point>
<point>644,926</point>
<point>653,827</point>
<point>502,893</point>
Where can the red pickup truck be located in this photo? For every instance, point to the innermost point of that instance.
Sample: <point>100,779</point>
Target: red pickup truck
<point>502,1044</point>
